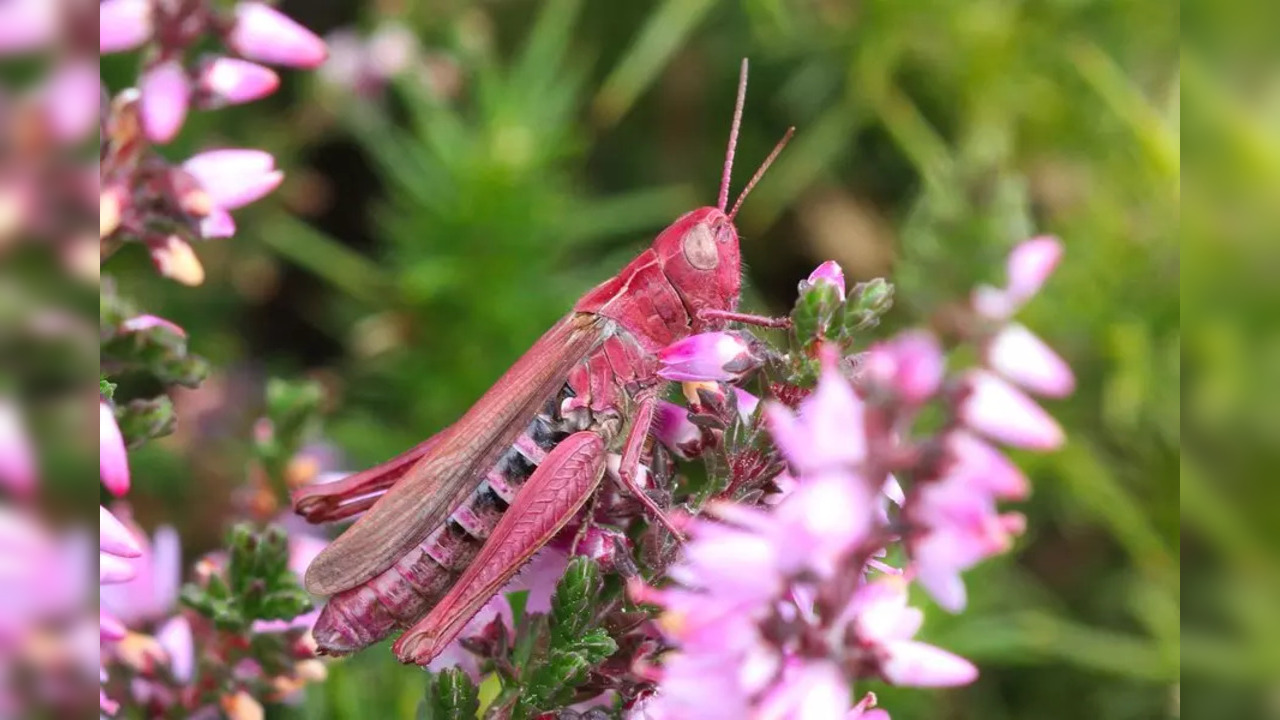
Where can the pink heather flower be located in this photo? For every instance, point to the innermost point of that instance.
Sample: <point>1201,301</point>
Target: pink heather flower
<point>996,409</point>
<point>152,593</point>
<point>1017,354</point>
<point>109,628</point>
<point>809,690</point>
<point>141,323</point>
<point>114,460</point>
<point>910,365</point>
<point>71,100</point>
<point>984,467</point>
<point>883,621</point>
<point>179,645</point>
<point>1030,263</point>
<point>232,81</point>
<point>233,178</point>
<point>747,404</point>
<point>672,428</point>
<point>538,578</point>
<point>166,95</point>
<point>123,25</point>
<point>27,25</point>
<point>713,356</point>
<point>828,272</point>
<point>955,525</point>
<point>828,431</point>
<point>116,547</point>
<point>17,459</point>
<point>265,34</point>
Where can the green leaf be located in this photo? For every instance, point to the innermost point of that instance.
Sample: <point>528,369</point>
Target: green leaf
<point>573,604</point>
<point>562,671</point>
<point>450,696</point>
<point>596,646</point>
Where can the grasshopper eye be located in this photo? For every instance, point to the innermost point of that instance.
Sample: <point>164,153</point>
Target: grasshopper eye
<point>700,248</point>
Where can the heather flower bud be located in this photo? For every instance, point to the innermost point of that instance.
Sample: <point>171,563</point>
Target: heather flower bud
<point>1017,354</point>
<point>114,538</point>
<point>233,81</point>
<point>996,409</point>
<point>142,323</point>
<point>175,259</point>
<point>265,34</point>
<point>1029,265</point>
<point>828,272</point>
<point>867,302</point>
<point>166,95</point>
<point>713,356</point>
<point>123,25</point>
<point>114,460</point>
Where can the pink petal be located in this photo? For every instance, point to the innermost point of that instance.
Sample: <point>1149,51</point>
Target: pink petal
<point>672,428</point>
<point>114,460</point>
<point>747,404</point>
<point>217,224</point>
<point>176,639</point>
<point>713,356</point>
<point>17,459</point>
<point>27,25</point>
<point>113,569</point>
<point>165,98</point>
<point>829,272</point>
<point>110,628</point>
<point>815,691</point>
<point>944,584</point>
<point>140,323</point>
<point>917,664</point>
<point>1017,354</point>
<point>234,177</point>
<point>1030,264</point>
<point>72,98</point>
<point>999,411</point>
<point>123,25</point>
<point>265,34</point>
<point>231,80</point>
<point>985,467</point>
<point>114,537</point>
<point>911,365</point>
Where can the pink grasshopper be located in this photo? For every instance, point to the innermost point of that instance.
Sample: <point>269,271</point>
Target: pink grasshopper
<point>450,521</point>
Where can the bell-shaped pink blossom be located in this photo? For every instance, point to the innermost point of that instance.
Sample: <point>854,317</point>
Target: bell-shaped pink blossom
<point>27,25</point>
<point>179,645</point>
<point>114,538</point>
<point>808,690</point>
<point>997,410</point>
<point>713,356</point>
<point>17,459</point>
<point>883,620</point>
<point>109,628</point>
<point>234,178</point>
<point>166,96</point>
<point>1029,265</point>
<point>954,526</point>
<point>114,459</point>
<point>232,81</point>
<point>264,34</point>
<point>71,100</point>
<point>828,272</point>
<point>828,431</point>
<point>142,323</point>
<point>152,594</point>
<point>1017,354</point>
<point>672,428</point>
<point>123,25</point>
<point>984,467</point>
<point>910,366</point>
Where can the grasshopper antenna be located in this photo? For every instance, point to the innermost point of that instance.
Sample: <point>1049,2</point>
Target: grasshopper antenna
<point>773,155</point>
<point>723,200</point>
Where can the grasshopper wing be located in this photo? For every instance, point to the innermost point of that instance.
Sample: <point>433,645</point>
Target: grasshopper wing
<point>452,468</point>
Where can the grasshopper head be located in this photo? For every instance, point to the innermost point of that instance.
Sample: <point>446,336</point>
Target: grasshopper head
<point>699,255</point>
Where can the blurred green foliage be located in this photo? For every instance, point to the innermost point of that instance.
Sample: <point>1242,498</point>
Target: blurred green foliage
<point>424,238</point>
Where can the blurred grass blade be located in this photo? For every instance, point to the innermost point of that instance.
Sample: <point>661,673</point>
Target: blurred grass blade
<point>663,34</point>
<point>325,257</point>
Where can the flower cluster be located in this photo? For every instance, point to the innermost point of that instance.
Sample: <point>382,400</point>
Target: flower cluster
<point>777,611</point>
<point>143,197</point>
